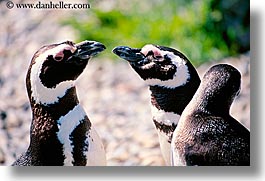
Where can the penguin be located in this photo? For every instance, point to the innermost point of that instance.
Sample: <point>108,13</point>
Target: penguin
<point>207,135</point>
<point>61,133</point>
<point>172,81</point>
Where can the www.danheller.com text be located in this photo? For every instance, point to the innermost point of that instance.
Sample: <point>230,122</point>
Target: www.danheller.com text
<point>53,5</point>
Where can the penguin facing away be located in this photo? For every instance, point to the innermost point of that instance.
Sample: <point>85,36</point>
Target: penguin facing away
<point>61,133</point>
<point>172,81</point>
<point>207,134</point>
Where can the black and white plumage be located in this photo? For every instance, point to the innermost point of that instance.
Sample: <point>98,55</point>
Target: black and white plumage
<point>172,81</point>
<point>207,134</point>
<point>61,133</point>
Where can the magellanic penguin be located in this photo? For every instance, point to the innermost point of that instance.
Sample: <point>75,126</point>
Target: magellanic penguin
<point>61,133</point>
<point>172,80</point>
<point>207,134</point>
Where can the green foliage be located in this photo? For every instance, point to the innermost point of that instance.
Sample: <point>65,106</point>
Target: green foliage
<point>200,29</point>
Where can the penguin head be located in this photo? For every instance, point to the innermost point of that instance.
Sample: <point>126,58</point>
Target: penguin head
<point>157,65</point>
<point>57,66</point>
<point>63,62</point>
<point>220,85</point>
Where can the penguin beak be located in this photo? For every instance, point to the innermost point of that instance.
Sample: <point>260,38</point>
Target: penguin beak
<point>87,49</point>
<point>129,54</point>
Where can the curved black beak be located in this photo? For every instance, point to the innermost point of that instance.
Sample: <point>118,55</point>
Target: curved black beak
<point>87,49</point>
<point>129,54</point>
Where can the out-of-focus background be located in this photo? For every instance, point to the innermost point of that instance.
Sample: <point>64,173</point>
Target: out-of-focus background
<point>114,97</point>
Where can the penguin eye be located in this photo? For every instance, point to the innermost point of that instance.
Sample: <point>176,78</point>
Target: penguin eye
<point>67,54</point>
<point>158,57</point>
<point>58,58</point>
<point>163,60</point>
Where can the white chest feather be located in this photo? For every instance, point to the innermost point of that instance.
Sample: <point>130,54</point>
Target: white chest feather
<point>176,157</point>
<point>66,126</point>
<point>168,119</point>
<point>164,146</point>
<point>95,154</point>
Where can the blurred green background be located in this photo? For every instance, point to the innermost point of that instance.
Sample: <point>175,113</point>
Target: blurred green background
<point>204,30</point>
